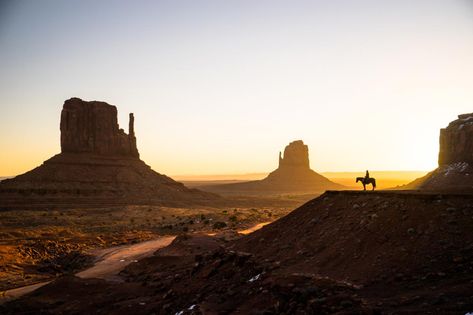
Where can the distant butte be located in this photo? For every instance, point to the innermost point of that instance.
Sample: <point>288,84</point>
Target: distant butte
<point>455,160</point>
<point>99,165</point>
<point>293,175</point>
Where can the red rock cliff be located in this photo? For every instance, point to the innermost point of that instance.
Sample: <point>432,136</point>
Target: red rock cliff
<point>296,154</point>
<point>456,141</point>
<point>92,127</point>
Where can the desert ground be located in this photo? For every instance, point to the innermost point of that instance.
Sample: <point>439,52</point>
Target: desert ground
<point>38,245</point>
<point>354,252</point>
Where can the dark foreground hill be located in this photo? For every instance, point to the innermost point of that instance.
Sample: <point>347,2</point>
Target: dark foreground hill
<point>342,253</point>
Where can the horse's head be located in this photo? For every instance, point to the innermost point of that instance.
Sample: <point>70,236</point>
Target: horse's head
<point>358,179</point>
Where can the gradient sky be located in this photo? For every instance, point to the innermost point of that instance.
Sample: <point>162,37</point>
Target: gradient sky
<point>222,86</point>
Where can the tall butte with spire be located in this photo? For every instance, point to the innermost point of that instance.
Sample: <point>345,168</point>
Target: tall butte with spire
<point>293,175</point>
<point>92,127</point>
<point>99,164</point>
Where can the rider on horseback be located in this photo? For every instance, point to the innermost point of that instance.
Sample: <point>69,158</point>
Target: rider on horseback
<point>367,180</point>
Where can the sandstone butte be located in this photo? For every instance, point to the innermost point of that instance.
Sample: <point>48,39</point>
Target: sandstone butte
<point>99,165</point>
<point>455,160</point>
<point>293,175</point>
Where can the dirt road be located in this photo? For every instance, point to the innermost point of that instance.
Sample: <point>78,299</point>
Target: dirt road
<point>109,263</point>
<point>253,228</point>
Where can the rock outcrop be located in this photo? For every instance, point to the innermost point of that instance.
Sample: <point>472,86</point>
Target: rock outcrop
<point>92,127</point>
<point>456,141</point>
<point>455,170</point>
<point>293,175</point>
<point>99,166</point>
<point>296,154</point>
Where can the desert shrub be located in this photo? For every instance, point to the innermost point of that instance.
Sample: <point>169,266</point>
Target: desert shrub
<point>219,225</point>
<point>233,218</point>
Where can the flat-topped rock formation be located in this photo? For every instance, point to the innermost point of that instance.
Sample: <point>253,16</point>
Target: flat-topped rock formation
<point>296,154</point>
<point>456,141</point>
<point>92,127</point>
<point>293,175</point>
<point>98,165</point>
<point>455,170</point>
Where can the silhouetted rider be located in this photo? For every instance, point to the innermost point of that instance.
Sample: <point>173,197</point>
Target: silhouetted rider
<point>367,175</point>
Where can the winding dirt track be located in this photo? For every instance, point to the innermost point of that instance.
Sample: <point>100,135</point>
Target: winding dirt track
<point>110,261</point>
<point>253,228</point>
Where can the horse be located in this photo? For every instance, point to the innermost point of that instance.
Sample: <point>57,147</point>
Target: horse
<point>367,181</point>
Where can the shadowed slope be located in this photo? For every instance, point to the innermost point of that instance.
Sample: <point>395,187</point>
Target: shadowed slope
<point>394,244</point>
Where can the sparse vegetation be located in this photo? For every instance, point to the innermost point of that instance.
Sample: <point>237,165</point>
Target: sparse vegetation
<point>91,228</point>
<point>219,225</point>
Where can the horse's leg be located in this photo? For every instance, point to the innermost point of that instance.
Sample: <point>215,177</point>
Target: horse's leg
<point>364,186</point>
<point>373,186</point>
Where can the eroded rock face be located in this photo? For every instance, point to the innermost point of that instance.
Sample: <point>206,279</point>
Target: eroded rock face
<point>455,170</point>
<point>456,141</point>
<point>92,127</point>
<point>296,154</point>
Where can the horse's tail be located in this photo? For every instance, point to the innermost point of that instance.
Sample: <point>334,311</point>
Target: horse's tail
<point>374,183</point>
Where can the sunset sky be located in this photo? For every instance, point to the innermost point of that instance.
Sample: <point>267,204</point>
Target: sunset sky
<point>220,87</point>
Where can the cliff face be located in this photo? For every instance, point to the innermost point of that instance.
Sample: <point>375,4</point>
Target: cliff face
<point>92,127</point>
<point>296,154</point>
<point>456,143</point>
<point>455,170</point>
